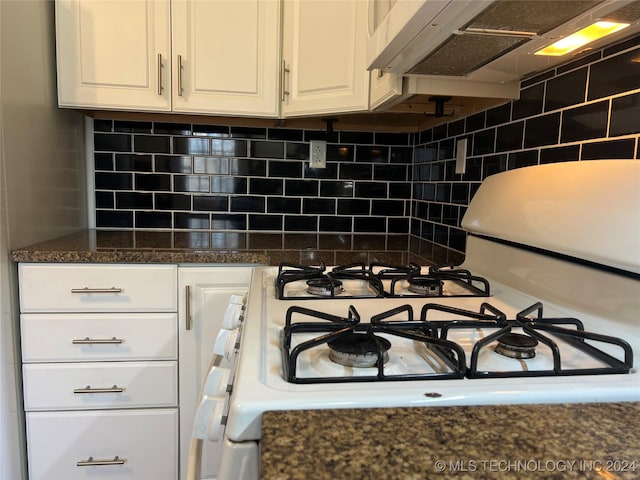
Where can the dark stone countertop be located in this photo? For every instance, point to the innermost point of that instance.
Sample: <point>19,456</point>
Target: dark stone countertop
<point>137,246</point>
<point>497,442</point>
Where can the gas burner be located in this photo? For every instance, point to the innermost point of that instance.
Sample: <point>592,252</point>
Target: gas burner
<point>425,286</point>
<point>516,345</point>
<point>324,287</point>
<point>358,350</point>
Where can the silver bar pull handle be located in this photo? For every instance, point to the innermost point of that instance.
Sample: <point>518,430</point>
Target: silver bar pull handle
<point>283,79</point>
<point>96,290</point>
<point>188,306</point>
<point>180,89</point>
<point>90,389</point>
<point>100,341</point>
<point>92,462</point>
<point>160,88</point>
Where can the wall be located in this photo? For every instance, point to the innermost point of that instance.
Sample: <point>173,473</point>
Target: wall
<point>42,184</point>
<point>583,110</point>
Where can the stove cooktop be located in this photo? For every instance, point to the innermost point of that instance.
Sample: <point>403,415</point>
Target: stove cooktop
<point>318,347</point>
<point>378,280</point>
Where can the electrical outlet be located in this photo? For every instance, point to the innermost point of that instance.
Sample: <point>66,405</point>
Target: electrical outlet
<point>318,154</point>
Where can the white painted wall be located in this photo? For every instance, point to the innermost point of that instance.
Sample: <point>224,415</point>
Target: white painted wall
<point>42,184</point>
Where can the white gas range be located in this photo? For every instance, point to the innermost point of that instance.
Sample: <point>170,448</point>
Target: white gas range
<point>545,309</point>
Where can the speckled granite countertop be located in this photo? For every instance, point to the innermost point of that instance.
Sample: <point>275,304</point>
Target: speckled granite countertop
<point>505,441</point>
<point>229,247</point>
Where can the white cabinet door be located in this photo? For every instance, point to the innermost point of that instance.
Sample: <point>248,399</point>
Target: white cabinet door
<point>203,296</point>
<point>96,337</point>
<point>114,54</point>
<point>97,288</point>
<point>225,57</point>
<point>324,56</point>
<point>105,445</point>
<point>83,386</point>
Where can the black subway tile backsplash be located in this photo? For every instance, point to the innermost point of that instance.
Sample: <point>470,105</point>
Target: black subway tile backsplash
<point>499,115</point>
<point>374,154</point>
<point>153,219</point>
<point>560,154</point>
<point>112,142</point>
<point>248,204</point>
<point>132,127</point>
<point>615,75</point>
<point>113,181</point>
<point>153,181</point>
<point>318,206</point>
<point>356,171</point>
<point>103,161</point>
<point>213,203</point>
<point>609,149</point>
<point>172,201</point>
<point>285,168</point>
<point>522,159</point>
<point>283,205</point>
<point>362,138</point>
<point>354,207</point>
<point>625,115</point>
<point>104,200</point>
<point>217,131</point>
<point>134,201</point>
<point>585,122</point>
<point>226,180</point>
<point>190,221</point>
<point>530,102</point>
<point>266,149</point>
<point>565,90</point>
<point>266,186</point>
<point>191,146</point>
<point>173,164</point>
<point>248,132</point>
<point>133,163</point>
<point>151,144</point>
<point>509,137</point>
<point>542,130</point>
<point>114,218</point>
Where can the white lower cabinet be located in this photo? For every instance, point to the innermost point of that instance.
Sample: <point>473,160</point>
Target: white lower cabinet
<point>100,371</point>
<point>113,360</point>
<point>103,444</point>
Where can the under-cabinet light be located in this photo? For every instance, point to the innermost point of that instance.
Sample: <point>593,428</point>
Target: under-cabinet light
<point>588,34</point>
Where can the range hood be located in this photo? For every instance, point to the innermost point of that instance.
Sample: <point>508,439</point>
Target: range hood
<point>482,42</point>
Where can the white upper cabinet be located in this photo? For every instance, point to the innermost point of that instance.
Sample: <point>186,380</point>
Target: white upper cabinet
<point>213,57</point>
<point>114,54</point>
<point>225,57</point>
<point>324,57</point>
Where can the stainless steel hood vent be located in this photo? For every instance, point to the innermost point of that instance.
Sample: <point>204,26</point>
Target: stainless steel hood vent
<point>485,41</point>
<point>503,26</point>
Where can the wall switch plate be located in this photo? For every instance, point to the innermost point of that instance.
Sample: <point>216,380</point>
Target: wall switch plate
<point>318,154</point>
<point>461,156</point>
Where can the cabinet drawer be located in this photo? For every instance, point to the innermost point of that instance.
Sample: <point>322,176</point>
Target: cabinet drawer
<point>89,337</point>
<point>76,386</point>
<point>97,288</point>
<point>145,440</point>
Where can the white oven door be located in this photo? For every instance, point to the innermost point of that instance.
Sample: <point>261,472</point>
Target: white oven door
<point>208,447</point>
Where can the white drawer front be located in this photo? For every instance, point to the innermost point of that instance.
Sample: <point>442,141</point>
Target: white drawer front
<point>97,288</point>
<point>76,386</point>
<point>144,439</point>
<point>98,337</point>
